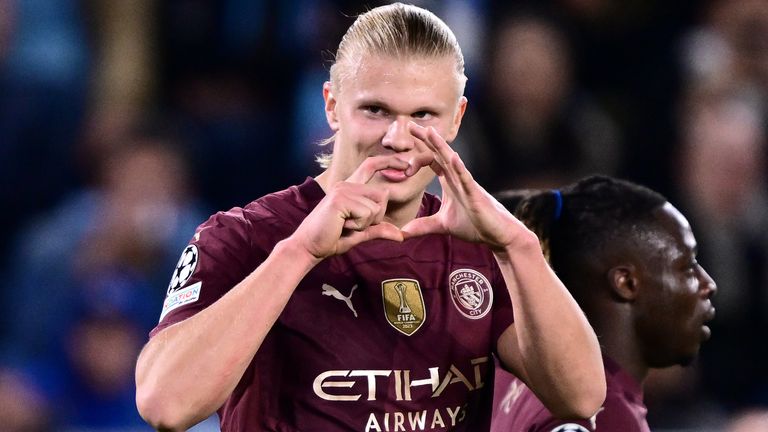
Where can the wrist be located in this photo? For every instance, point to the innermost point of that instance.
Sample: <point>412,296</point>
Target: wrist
<point>296,254</point>
<point>524,242</point>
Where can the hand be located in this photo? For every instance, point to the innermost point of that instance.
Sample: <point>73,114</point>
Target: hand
<point>467,210</point>
<point>352,212</point>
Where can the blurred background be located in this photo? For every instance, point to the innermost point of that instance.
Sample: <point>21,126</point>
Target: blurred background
<point>124,124</point>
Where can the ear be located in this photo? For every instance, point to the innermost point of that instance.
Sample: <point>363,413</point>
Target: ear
<point>330,107</point>
<point>624,282</point>
<point>462,107</point>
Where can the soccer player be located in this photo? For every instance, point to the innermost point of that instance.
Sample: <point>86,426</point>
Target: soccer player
<point>628,256</point>
<point>355,301</point>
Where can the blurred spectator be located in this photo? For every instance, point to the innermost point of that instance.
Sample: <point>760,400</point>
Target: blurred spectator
<point>731,45</point>
<point>23,406</point>
<point>722,185</point>
<point>110,246</point>
<point>538,128</point>
<point>89,278</point>
<point>44,60</point>
<point>228,71</point>
<point>100,391</point>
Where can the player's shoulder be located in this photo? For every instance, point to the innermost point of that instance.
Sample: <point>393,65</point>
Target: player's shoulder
<point>621,413</point>
<point>288,204</point>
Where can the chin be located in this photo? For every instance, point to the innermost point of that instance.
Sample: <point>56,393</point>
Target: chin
<point>675,359</point>
<point>687,360</point>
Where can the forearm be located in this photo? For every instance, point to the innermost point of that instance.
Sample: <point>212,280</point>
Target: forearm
<point>558,349</point>
<point>188,370</point>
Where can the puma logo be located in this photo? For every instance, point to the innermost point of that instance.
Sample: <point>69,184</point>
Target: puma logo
<point>333,292</point>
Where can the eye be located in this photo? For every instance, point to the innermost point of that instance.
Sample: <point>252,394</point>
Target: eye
<point>374,110</point>
<point>423,115</point>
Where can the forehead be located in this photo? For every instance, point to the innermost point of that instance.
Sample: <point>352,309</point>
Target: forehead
<point>676,234</point>
<point>417,77</point>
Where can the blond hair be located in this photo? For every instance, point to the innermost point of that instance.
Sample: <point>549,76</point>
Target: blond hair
<point>397,30</point>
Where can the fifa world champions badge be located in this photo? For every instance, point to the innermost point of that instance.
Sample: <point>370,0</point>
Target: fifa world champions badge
<point>403,305</point>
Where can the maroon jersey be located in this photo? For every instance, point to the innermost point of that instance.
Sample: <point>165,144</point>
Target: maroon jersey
<point>386,337</point>
<point>516,408</point>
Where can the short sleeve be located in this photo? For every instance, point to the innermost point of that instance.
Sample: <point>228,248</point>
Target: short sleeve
<point>503,315</point>
<point>554,425</point>
<point>217,258</point>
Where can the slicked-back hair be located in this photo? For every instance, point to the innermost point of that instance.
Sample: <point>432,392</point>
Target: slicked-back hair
<point>595,214</point>
<point>397,30</point>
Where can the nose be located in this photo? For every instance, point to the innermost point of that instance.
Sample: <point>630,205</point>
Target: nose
<point>708,285</point>
<point>398,138</point>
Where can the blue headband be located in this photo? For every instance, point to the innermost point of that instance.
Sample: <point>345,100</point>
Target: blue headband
<point>558,203</point>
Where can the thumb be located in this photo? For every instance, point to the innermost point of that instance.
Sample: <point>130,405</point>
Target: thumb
<point>422,226</point>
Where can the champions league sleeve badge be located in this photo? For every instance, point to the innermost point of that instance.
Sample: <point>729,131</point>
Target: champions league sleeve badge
<point>184,269</point>
<point>178,295</point>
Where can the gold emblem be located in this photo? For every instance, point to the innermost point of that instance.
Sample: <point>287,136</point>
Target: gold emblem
<point>403,305</point>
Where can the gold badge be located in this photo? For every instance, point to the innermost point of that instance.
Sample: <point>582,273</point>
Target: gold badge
<point>403,305</point>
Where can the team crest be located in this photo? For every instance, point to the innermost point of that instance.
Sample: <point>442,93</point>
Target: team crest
<point>403,305</point>
<point>184,269</point>
<point>471,293</point>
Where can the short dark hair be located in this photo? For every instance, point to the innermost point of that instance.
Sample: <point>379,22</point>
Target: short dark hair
<point>578,223</point>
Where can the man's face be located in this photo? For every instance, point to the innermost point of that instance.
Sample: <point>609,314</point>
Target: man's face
<point>674,303</point>
<point>371,108</point>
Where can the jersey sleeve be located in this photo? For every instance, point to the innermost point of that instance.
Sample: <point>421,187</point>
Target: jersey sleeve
<point>218,257</point>
<point>617,414</point>
<point>503,315</point>
<point>555,425</point>
<point>614,415</point>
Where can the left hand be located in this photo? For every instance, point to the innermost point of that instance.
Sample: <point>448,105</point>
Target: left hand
<point>467,211</point>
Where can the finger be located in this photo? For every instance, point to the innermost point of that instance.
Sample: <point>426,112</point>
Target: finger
<point>465,177</point>
<point>445,153</point>
<point>346,190</point>
<point>432,140</point>
<point>358,213</point>
<point>384,230</point>
<point>370,166</point>
<point>422,226</point>
<point>422,157</point>
<point>368,212</point>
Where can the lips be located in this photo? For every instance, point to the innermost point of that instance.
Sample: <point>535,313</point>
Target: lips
<point>709,315</point>
<point>393,175</point>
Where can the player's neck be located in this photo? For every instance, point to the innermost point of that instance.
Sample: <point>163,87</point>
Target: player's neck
<point>617,339</point>
<point>325,180</point>
<point>399,214</point>
<point>625,352</point>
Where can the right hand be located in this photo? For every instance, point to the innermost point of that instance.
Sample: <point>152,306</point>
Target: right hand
<point>352,212</point>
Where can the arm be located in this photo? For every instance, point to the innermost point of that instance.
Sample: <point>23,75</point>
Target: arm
<point>551,346</point>
<point>188,370</point>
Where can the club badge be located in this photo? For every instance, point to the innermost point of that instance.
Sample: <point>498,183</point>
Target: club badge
<point>471,293</point>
